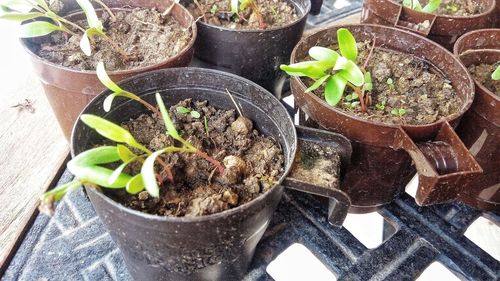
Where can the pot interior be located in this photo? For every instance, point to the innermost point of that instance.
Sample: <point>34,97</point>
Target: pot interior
<point>478,39</point>
<point>401,41</point>
<point>176,84</point>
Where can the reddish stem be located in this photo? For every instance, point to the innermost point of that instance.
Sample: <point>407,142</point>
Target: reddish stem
<point>370,54</point>
<point>214,162</point>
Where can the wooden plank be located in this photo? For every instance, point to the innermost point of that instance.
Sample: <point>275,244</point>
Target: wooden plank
<point>32,147</point>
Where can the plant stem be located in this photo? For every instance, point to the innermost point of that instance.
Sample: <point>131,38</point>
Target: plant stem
<point>61,19</point>
<point>360,96</point>
<point>214,162</point>
<point>370,54</point>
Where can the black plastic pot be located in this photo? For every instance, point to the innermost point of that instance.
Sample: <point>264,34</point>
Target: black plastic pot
<point>213,247</point>
<point>253,54</point>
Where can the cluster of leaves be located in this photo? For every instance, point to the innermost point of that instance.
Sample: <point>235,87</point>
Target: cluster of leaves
<point>496,74</point>
<point>432,6</point>
<point>240,5</point>
<point>43,21</point>
<point>87,166</point>
<point>335,71</point>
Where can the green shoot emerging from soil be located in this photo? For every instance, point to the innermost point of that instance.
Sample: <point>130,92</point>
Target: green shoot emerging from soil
<point>431,7</point>
<point>37,11</point>
<point>195,114</point>
<point>400,112</point>
<point>238,8</point>
<point>496,74</point>
<point>87,166</point>
<point>452,8</point>
<point>336,71</point>
<point>390,83</point>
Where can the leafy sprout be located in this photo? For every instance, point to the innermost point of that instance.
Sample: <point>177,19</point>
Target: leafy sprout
<point>390,83</point>
<point>335,71</point>
<point>214,9</point>
<point>452,7</point>
<point>37,11</point>
<point>431,7</point>
<point>496,74</point>
<point>400,112</point>
<point>380,106</point>
<point>91,166</point>
<point>195,114</point>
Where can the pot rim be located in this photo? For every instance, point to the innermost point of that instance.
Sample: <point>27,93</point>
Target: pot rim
<point>220,28</point>
<point>465,106</point>
<point>452,17</point>
<point>203,218</point>
<point>184,50</point>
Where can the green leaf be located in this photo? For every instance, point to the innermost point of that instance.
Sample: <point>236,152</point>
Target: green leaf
<point>195,114</point>
<point>318,83</point>
<point>62,190</point>
<point>20,16</point>
<point>166,119</point>
<point>234,6</point>
<point>42,4</point>
<point>347,44</point>
<point>214,9</point>
<point>124,153</point>
<point>111,131</point>
<point>85,45</point>
<point>92,19</point>
<point>182,109</point>
<point>21,6</point>
<point>407,3</point>
<point>324,54</point>
<point>108,101</point>
<point>96,156</point>
<point>135,184</point>
<point>118,171</point>
<point>496,74</point>
<point>353,74</point>
<point>334,89</point>
<point>106,81</point>
<point>98,175</point>
<point>368,85</point>
<point>37,28</point>
<point>312,69</point>
<point>245,3</point>
<point>148,174</point>
<point>432,6</point>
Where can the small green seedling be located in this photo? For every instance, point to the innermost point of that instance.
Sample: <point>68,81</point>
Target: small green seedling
<point>431,7</point>
<point>496,74</point>
<point>400,112</point>
<point>380,106</point>
<point>214,9</point>
<point>184,110</point>
<point>238,7</point>
<point>89,167</point>
<point>37,11</point>
<point>351,101</point>
<point>390,83</point>
<point>335,71</point>
<point>452,7</point>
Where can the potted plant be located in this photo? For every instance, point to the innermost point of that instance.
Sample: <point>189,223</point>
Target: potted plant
<point>187,189</point>
<point>442,21</point>
<point>479,129</point>
<point>130,40</point>
<point>388,97</point>
<point>249,38</point>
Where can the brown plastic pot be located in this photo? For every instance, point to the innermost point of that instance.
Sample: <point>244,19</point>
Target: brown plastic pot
<point>69,91</point>
<point>442,29</point>
<point>253,54</point>
<point>213,247</point>
<point>480,126</point>
<point>381,162</point>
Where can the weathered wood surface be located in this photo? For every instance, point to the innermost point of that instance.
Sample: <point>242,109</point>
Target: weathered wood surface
<point>32,147</point>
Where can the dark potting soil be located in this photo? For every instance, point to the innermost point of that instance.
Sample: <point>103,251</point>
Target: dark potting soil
<point>274,13</point>
<point>459,8</point>
<point>316,164</point>
<point>417,87</point>
<point>482,73</point>
<point>146,36</point>
<point>253,163</point>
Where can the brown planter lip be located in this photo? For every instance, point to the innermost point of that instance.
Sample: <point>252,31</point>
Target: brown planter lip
<point>459,49</point>
<point>305,13</point>
<point>465,106</point>
<point>198,219</point>
<point>186,49</point>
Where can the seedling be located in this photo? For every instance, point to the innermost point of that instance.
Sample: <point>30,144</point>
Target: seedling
<point>193,113</point>
<point>214,9</point>
<point>88,166</point>
<point>431,7</point>
<point>380,106</point>
<point>37,11</point>
<point>390,83</point>
<point>336,71</point>
<point>238,7</point>
<point>452,7</point>
<point>496,74</point>
<point>400,112</point>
